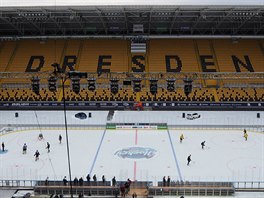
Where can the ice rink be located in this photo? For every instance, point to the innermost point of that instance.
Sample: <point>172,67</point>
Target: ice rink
<point>135,154</point>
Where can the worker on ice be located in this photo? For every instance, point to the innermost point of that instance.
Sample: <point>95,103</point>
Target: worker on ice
<point>37,154</point>
<point>25,148</point>
<point>48,147</point>
<point>181,138</point>
<point>203,144</point>
<point>189,160</point>
<point>245,136</point>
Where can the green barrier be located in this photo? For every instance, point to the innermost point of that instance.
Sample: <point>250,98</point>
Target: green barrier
<point>114,126</point>
<point>162,127</point>
<point>110,126</point>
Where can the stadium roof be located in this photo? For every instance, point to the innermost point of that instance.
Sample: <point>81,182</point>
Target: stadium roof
<point>147,19</point>
<point>17,3</point>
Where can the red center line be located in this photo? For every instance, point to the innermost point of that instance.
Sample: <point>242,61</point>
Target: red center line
<point>136,137</point>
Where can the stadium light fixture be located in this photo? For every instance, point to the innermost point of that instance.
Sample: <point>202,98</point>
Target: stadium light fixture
<point>35,85</point>
<point>76,87</point>
<point>153,87</point>
<point>137,85</point>
<point>114,86</point>
<point>171,85</point>
<point>91,85</point>
<point>52,83</point>
<point>187,86</point>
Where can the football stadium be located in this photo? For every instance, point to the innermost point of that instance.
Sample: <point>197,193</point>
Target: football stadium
<point>123,98</point>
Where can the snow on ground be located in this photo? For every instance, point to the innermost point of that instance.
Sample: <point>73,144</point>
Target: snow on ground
<point>147,155</point>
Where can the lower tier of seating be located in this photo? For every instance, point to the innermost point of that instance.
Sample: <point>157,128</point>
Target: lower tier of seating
<point>197,95</point>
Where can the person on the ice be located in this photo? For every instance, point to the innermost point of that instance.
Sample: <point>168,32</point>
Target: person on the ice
<point>103,179</point>
<point>40,137</point>
<point>188,160</point>
<point>245,131</point>
<point>246,136</point>
<point>36,155</point>
<point>3,146</point>
<point>48,147</point>
<point>203,144</point>
<point>60,138</point>
<point>25,148</point>
<point>181,138</point>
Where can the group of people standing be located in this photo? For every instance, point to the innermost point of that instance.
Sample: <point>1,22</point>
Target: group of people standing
<point>203,145</point>
<point>166,182</point>
<point>37,154</point>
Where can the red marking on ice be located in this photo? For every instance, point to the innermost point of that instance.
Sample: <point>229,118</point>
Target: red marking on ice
<point>136,137</point>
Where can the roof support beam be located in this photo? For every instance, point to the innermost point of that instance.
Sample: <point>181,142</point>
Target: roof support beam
<point>18,29</point>
<point>99,13</point>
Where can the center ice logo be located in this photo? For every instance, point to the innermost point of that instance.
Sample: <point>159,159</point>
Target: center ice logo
<point>136,153</point>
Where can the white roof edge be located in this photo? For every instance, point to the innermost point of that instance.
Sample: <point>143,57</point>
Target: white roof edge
<point>247,7</point>
<point>58,3</point>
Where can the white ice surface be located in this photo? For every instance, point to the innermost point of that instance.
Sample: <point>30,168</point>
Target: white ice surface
<point>227,157</point>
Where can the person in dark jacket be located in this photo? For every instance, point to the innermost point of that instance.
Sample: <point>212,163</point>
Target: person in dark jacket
<point>81,181</point>
<point>189,160</point>
<point>114,181</point>
<point>94,178</point>
<point>75,181</point>
<point>3,146</point>
<point>65,181</point>
<point>37,154</point>
<point>203,144</point>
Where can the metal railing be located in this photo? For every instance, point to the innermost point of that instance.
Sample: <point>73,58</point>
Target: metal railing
<point>236,184</point>
<point>17,183</point>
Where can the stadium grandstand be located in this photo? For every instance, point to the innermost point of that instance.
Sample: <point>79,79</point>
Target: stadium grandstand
<point>138,64</point>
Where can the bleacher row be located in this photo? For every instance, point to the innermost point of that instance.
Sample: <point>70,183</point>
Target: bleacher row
<point>109,55</point>
<point>198,94</point>
<point>189,55</point>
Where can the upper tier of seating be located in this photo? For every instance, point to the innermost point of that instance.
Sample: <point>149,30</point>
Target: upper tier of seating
<point>113,55</point>
<point>110,55</point>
